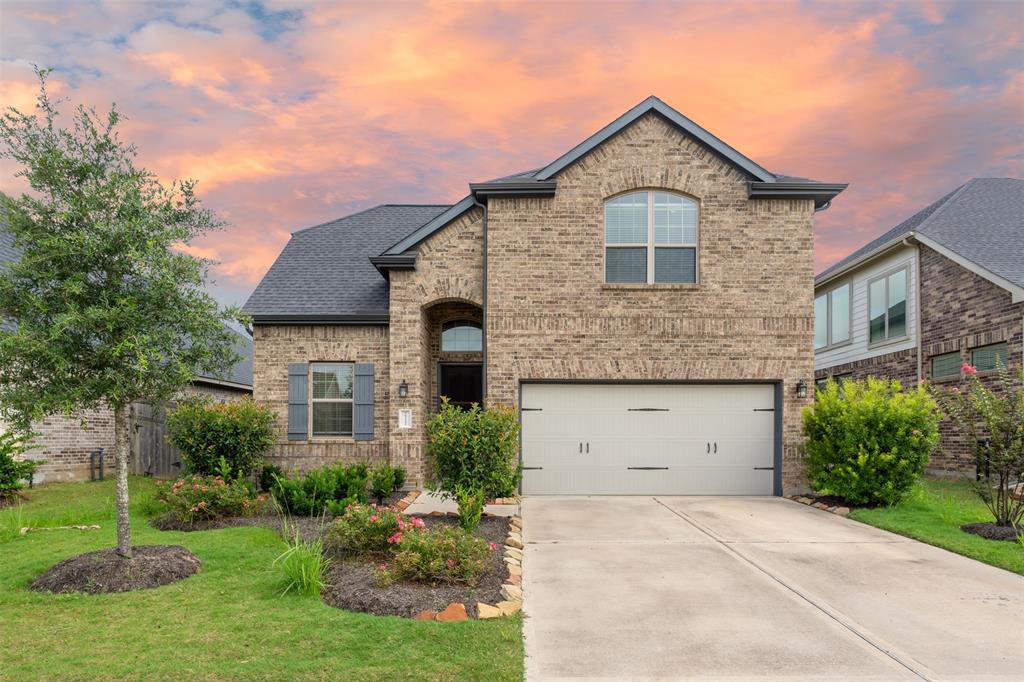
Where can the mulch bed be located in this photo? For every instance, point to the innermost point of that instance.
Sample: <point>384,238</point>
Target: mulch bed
<point>991,531</point>
<point>105,571</point>
<point>309,527</point>
<point>351,584</point>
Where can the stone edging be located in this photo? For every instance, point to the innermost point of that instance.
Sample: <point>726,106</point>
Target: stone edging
<point>404,503</point>
<point>841,511</point>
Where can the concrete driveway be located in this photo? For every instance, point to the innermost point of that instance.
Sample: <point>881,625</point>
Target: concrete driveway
<point>714,588</point>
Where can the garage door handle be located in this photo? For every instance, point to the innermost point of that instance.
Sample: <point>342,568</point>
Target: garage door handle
<point>709,448</point>
<point>588,448</point>
<point>764,468</point>
<point>531,468</point>
<point>716,447</point>
<point>581,447</point>
<point>647,468</point>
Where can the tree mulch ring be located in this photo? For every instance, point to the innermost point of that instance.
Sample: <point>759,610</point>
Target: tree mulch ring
<point>106,571</point>
<point>351,584</point>
<point>991,531</point>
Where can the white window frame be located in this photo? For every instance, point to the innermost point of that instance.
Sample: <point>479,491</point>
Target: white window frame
<point>885,276</point>
<point>829,342</point>
<point>312,400</point>
<point>650,244</point>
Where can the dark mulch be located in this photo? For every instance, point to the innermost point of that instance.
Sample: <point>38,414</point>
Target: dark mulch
<point>169,521</point>
<point>105,571</point>
<point>991,531</point>
<point>351,584</point>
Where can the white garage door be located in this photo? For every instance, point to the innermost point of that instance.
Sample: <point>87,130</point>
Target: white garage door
<point>648,439</point>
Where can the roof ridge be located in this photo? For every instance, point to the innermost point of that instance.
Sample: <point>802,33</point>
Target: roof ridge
<point>367,210</point>
<point>950,198</point>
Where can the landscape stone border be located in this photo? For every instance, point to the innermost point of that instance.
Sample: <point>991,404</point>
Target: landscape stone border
<point>409,498</point>
<point>811,502</point>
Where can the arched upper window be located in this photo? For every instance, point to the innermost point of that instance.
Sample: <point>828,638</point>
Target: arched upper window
<point>650,237</point>
<point>461,336</point>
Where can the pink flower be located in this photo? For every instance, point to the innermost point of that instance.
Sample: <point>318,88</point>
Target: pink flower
<point>967,368</point>
<point>373,519</point>
<point>450,563</point>
<point>401,524</point>
<point>418,523</point>
<point>202,505</point>
<point>260,498</point>
<point>396,538</point>
<point>195,486</point>
<point>492,545</point>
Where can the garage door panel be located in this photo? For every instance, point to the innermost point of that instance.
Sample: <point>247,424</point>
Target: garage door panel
<point>648,439</point>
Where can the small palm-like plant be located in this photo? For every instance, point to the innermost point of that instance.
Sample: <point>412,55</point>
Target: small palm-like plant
<point>993,421</point>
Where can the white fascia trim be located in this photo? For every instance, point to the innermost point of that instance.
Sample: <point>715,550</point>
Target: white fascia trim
<point>869,256</point>
<point>1014,289</point>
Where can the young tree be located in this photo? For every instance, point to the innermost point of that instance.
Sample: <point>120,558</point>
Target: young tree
<point>108,309</point>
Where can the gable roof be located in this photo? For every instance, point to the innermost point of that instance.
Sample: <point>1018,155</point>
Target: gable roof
<point>324,272</point>
<point>979,224</point>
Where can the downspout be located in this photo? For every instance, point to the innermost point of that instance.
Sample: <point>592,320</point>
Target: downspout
<point>917,308</point>
<point>483,307</point>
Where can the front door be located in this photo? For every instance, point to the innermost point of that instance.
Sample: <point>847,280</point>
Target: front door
<point>462,383</point>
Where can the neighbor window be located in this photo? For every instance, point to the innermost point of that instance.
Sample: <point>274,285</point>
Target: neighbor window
<point>887,306</point>
<point>461,336</point>
<point>650,238</point>
<point>832,318</point>
<point>984,358</point>
<point>332,398</point>
<point>946,366</point>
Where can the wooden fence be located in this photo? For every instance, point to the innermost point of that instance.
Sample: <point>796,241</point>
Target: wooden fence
<point>152,455</point>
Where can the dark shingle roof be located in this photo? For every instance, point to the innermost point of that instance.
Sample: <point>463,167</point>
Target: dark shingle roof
<point>982,221</point>
<point>325,271</point>
<point>241,372</point>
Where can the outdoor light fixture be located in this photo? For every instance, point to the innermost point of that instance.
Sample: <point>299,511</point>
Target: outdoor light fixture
<point>801,389</point>
<point>403,390</point>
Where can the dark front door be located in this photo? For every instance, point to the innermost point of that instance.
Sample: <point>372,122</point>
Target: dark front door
<point>462,382</point>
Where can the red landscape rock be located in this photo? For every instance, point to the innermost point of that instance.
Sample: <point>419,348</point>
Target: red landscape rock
<point>454,611</point>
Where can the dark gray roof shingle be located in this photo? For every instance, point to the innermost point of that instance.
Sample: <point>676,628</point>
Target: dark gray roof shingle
<point>325,270</point>
<point>982,221</point>
<point>241,372</point>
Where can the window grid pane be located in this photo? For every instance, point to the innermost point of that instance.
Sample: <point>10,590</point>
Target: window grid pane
<point>897,305</point>
<point>675,219</point>
<point>675,265</point>
<point>625,219</point>
<point>877,310</point>
<point>946,365</point>
<point>821,321</point>
<point>984,358</point>
<point>332,381</point>
<point>840,301</point>
<point>625,265</point>
<point>462,337</point>
<point>332,418</point>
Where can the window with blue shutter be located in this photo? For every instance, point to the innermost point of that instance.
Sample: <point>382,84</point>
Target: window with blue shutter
<point>364,401</point>
<point>298,401</point>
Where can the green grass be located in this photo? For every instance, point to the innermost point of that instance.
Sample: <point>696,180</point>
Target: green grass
<point>228,622</point>
<point>934,512</point>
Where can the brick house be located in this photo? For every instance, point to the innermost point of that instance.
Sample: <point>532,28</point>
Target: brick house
<point>944,287</point>
<point>644,302</point>
<point>65,443</point>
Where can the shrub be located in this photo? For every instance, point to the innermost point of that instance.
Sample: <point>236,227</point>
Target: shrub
<point>240,431</point>
<point>199,498</point>
<point>385,480</point>
<point>330,488</point>
<point>994,425</point>
<point>448,555</point>
<point>869,442</point>
<point>471,506</point>
<point>13,469</point>
<point>475,448</point>
<point>365,530</point>
<point>304,566</point>
<point>265,476</point>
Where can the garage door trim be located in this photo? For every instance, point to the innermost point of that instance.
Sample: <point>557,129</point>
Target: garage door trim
<point>775,383</point>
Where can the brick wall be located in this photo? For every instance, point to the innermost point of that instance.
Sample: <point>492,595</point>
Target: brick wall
<point>900,365</point>
<point>751,317</point>
<point>963,311</point>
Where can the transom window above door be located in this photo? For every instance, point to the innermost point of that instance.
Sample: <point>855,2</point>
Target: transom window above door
<point>650,238</point>
<point>462,336</point>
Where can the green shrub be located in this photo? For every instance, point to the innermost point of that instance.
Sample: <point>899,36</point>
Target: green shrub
<point>330,488</point>
<point>265,476</point>
<point>240,431</point>
<point>444,555</point>
<point>869,442</point>
<point>385,480</point>
<point>13,469</point>
<point>304,566</point>
<point>471,506</point>
<point>475,448</point>
<point>366,530</point>
<point>201,498</point>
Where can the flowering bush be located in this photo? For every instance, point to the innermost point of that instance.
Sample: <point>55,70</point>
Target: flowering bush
<point>241,432</point>
<point>449,555</point>
<point>369,530</point>
<point>476,448</point>
<point>868,442</point>
<point>199,498</point>
<point>994,424</point>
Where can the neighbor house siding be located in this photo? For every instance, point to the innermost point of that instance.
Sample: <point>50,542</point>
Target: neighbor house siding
<point>551,316</point>
<point>275,346</point>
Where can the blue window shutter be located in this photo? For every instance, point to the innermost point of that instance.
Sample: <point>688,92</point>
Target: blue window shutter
<point>298,401</point>
<point>363,429</point>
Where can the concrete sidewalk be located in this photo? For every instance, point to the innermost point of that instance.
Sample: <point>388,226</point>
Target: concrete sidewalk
<point>429,502</point>
<point>700,588</point>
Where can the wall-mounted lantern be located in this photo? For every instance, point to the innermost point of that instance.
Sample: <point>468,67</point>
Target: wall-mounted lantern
<point>801,389</point>
<point>403,390</point>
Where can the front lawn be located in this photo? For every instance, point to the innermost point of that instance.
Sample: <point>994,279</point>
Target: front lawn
<point>934,512</point>
<point>225,623</point>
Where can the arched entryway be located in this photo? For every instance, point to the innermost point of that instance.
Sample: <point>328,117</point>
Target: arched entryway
<point>454,358</point>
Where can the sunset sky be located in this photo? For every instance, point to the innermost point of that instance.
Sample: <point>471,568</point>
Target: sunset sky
<point>292,113</point>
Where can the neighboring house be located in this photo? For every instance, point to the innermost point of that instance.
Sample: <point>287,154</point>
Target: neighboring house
<point>644,302</point>
<point>66,442</point>
<point>944,287</point>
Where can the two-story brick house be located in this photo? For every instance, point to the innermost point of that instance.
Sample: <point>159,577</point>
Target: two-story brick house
<point>944,287</point>
<point>644,302</point>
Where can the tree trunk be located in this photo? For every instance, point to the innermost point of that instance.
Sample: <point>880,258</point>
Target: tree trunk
<point>122,436</point>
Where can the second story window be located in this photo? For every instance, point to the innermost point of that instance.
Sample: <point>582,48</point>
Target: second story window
<point>832,317</point>
<point>650,238</point>
<point>887,306</point>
